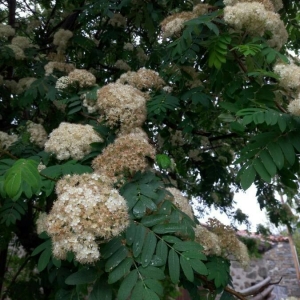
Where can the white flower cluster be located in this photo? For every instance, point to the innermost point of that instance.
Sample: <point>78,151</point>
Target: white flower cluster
<point>173,25</point>
<point>294,107</point>
<point>38,134</point>
<point>22,42</point>
<point>141,55</point>
<point>12,85</point>
<point>6,31</point>
<point>83,77</point>
<point>181,202</point>
<point>87,209</point>
<point>71,140</point>
<point>90,104</point>
<point>62,83</point>
<point>290,79</point>
<point>23,84</point>
<point>222,241</point>
<point>18,52</point>
<point>128,46</point>
<point>289,75</point>
<point>118,20</point>
<point>61,38</point>
<point>208,240</point>
<point>255,18</point>
<point>61,66</point>
<point>6,140</point>
<point>122,65</point>
<point>266,3</point>
<point>143,79</point>
<point>122,104</point>
<point>125,156</point>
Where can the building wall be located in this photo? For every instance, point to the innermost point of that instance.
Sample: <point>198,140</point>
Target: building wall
<point>276,263</point>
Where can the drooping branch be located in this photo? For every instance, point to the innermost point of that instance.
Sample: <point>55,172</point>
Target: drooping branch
<point>11,12</point>
<point>15,277</point>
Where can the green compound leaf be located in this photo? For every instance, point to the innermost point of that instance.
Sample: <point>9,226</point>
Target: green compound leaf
<point>173,264</point>
<point>138,291</point>
<point>169,228</point>
<point>101,290</point>
<point>248,177</point>
<point>287,149</point>
<point>152,272</point>
<point>186,268</point>
<point>155,286</point>
<point>23,176</point>
<point>218,271</point>
<point>127,285</point>
<point>152,220</point>
<point>188,246</point>
<point>139,239</point>
<point>268,162</point>
<point>121,270</point>
<point>276,154</point>
<point>198,266</point>
<point>116,259</point>
<point>130,233</point>
<point>261,170</point>
<point>148,248</point>
<point>111,247</point>
<point>83,276</point>
<point>163,161</point>
<point>44,259</point>
<point>162,250</point>
<point>42,247</point>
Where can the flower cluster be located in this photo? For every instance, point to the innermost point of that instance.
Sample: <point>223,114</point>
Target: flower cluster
<point>90,104</point>
<point>38,134</point>
<point>117,20</point>
<point>82,77</point>
<point>24,84</point>
<point>22,42</point>
<point>173,25</point>
<point>122,65</point>
<point>62,83</point>
<point>290,79</point>
<point>208,240</point>
<point>141,55</point>
<point>289,75</point>
<point>256,20</point>
<point>143,79</point>
<point>128,46</point>
<point>181,202</point>
<point>60,66</point>
<point>294,107</point>
<point>71,140</point>
<point>12,85</point>
<point>61,38</point>
<point>122,105</point>
<point>87,209</point>
<point>222,241</point>
<point>266,3</point>
<point>6,140</point>
<point>6,31</point>
<point>125,156</point>
<point>18,52</point>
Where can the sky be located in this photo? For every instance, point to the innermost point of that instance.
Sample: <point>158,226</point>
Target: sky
<point>247,202</point>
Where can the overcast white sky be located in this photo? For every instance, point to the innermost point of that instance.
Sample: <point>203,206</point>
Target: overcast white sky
<point>247,202</point>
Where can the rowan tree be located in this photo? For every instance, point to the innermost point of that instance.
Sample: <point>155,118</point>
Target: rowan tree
<point>115,115</point>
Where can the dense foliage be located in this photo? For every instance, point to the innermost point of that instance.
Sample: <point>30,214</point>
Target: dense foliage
<point>109,109</point>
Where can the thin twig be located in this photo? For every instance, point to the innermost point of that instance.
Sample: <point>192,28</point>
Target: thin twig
<point>15,277</point>
<point>7,153</point>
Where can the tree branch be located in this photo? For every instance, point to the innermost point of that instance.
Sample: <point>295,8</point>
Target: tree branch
<point>15,277</point>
